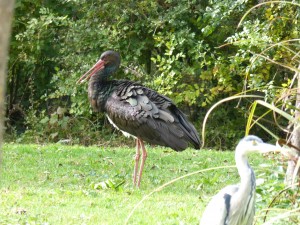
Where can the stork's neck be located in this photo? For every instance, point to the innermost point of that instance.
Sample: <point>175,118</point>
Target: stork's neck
<point>99,89</point>
<point>100,76</point>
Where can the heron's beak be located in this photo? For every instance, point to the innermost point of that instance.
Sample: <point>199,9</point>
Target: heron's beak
<point>265,148</point>
<point>289,150</point>
<point>98,66</point>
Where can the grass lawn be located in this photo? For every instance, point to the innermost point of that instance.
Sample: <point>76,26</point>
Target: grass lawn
<point>59,184</point>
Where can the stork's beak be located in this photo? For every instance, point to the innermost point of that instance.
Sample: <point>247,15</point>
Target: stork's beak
<point>98,66</point>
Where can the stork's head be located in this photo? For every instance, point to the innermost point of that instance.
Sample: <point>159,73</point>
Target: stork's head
<point>108,63</point>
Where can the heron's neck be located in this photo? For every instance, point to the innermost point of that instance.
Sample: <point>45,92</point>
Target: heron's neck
<point>246,173</point>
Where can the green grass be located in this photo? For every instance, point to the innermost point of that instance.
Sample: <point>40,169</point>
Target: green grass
<point>58,184</point>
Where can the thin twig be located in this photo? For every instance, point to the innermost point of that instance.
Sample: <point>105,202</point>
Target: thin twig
<point>274,199</point>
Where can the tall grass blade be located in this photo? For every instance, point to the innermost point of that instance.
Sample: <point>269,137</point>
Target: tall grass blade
<point>279,111</point>
<point>264,3</point>
<point>219,103</point>
<point>250,117</point>
<point>282,216</point>
<point>167,184</point>
<point>267,130</point>
<point>277,63</point>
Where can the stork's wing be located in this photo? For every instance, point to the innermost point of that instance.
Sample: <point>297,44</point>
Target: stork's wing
<point>150,116</point>
<point>217,210</point>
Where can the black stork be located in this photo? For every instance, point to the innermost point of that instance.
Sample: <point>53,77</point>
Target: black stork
<point>137,111</point>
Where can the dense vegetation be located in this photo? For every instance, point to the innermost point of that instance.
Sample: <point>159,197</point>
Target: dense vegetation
<point>192,51</point>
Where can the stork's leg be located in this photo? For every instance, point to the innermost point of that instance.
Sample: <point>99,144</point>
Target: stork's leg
<point>144,157</point>
<point>137,159</point>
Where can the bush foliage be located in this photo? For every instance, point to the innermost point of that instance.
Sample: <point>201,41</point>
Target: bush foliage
<point>193,52</point>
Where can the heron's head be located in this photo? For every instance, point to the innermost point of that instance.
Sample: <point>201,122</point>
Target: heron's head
<point>253,143</point>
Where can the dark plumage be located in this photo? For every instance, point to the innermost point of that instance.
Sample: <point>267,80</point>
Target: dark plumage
<point>138,110</point>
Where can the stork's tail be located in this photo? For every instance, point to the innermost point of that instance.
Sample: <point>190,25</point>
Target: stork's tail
<point>189,129</point>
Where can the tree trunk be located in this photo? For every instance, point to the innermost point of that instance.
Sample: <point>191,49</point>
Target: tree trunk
<point>295,138</point>
<point>6,14</point>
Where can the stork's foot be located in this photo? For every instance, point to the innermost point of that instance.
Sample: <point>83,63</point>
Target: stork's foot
<point>144,157</point>
<point>137,160</point>
<point>137,179</point>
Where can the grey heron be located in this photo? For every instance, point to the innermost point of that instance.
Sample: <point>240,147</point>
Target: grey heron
<point>235,204</point>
